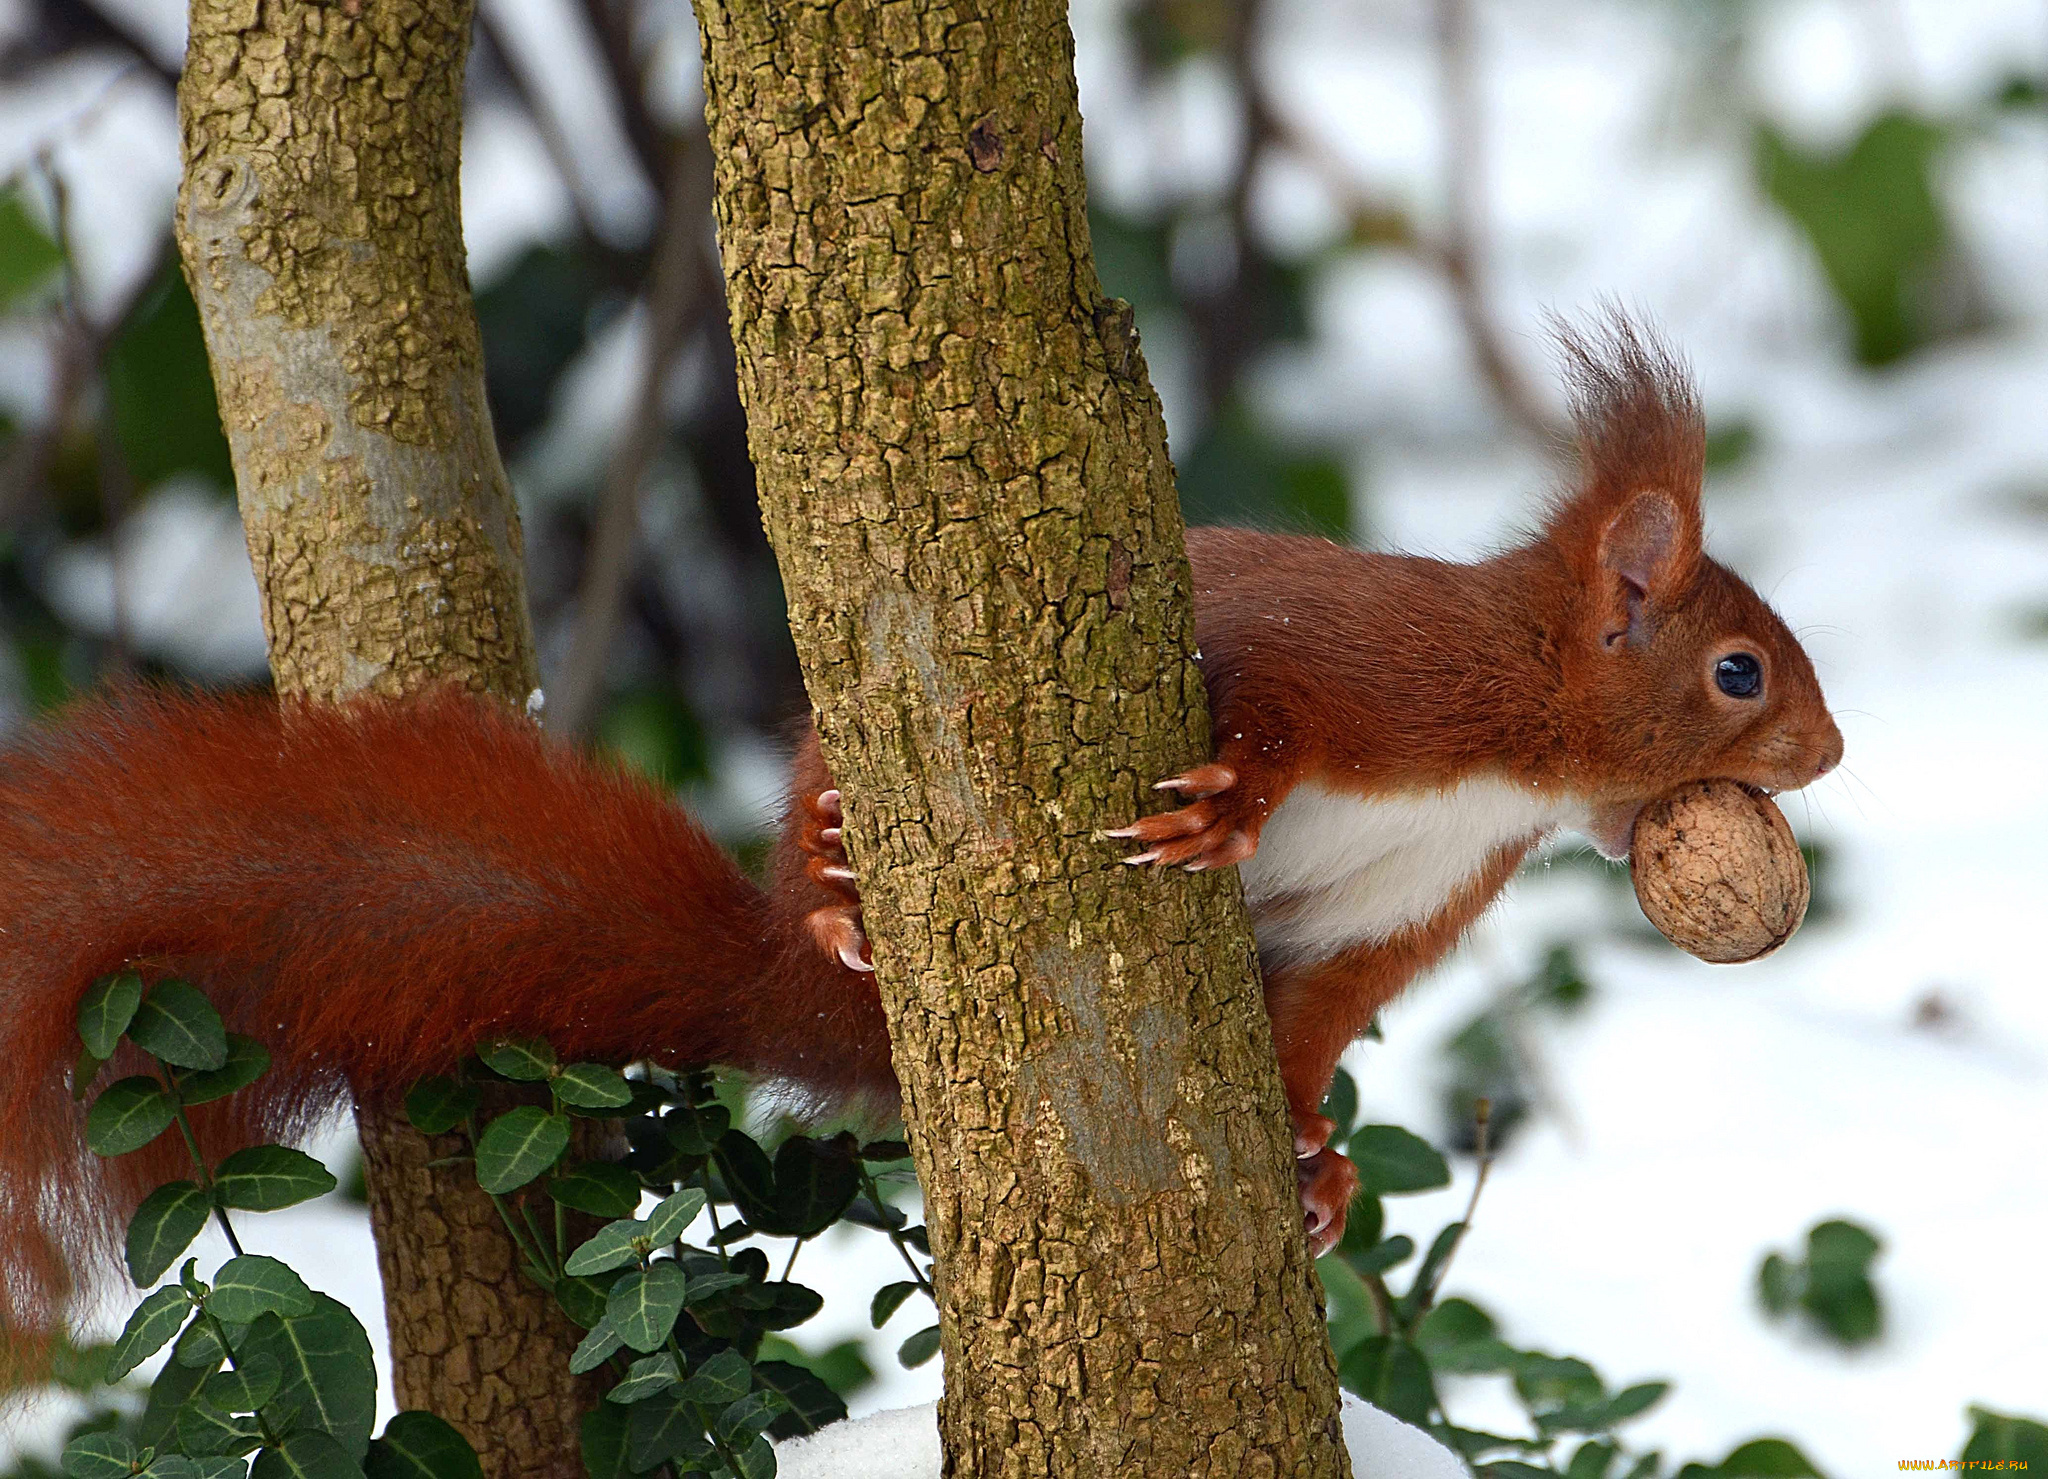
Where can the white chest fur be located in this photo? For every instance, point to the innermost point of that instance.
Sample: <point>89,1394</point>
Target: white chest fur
<point>1336,869</point>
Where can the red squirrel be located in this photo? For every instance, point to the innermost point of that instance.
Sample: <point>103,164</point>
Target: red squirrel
<point>374,889</point>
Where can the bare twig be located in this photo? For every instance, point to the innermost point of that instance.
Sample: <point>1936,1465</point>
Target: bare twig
<point>612,22</point>
<point>546,122</point>
<point>116,481</point>
<point>1460,253</point>
<point>676,303</point>
<point>78,348</point>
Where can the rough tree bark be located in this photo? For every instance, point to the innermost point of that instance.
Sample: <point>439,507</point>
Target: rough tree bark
<point>963,469</point>
<point>320,226</point>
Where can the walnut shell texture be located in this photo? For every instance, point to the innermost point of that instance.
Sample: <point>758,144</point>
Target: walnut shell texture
<point>1718,872</point>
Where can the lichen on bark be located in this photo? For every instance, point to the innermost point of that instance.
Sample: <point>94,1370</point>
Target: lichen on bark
<point>963,469</point>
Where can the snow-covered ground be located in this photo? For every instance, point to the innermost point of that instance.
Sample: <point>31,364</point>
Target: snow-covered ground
<point>1900,520</point>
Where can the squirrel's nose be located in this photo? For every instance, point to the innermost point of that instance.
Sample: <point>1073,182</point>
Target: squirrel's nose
<point>1831,753</point>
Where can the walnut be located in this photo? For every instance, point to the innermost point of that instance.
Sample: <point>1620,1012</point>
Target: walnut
<point>1718,872</point>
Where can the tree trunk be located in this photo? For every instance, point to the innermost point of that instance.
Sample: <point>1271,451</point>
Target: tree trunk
<point>321,231</point>
<point>963,469</point>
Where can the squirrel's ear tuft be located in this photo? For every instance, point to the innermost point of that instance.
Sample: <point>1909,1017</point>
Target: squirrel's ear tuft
<point>1637,429</point>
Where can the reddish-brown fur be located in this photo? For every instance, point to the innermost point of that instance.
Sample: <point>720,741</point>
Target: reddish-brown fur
<point>371,891</point>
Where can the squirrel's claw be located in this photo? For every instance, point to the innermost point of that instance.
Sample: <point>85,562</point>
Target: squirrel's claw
<point>1328,1181</point>
<point>1206,833</point>
<point>839,934</point>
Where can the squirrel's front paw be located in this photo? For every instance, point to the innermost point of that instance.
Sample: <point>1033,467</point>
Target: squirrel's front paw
<point>838,929</point>
<point>1211,831</point>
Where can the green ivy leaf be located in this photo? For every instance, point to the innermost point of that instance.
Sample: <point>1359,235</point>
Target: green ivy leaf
<point>84,1069</point>
<point>154,1322</point>
<point>1392,1375</point>
<point>1382,1256</point>
<point>726,1377</point>
<point>419,1445</point>
<point>582,1299</point>
<point>265,1178</point>
<point>740,1422</point>
<point>592,1086</point>
<point>254,1285</point>
<point>1556,1381</point>
<point>1592,1460</point>
<point>595,1349</point>
<point>200,1346</point>
<point>597,1187</point>
<point>1415,1302</point>
<point>1459,1336</point>
<point>645,1377</point>
<point>704,1286</point>
<point>614,1245</point>
<point>1767,1458</point>
<point>661,1429</point>
<point>308,1454</point>
<point>808,1403</point>
<point>253,1382</point>
<point>695,1129</point>
<point>1391,1160</point>
<point>163,1227</point>
<point>330,1380</point>
<point>107,1009</point>
<point>517,1146</point>
<point>603,1434</point>
<point>673,1214</point>
<point>179,1025</point>
<point>750,1179</point>
<point>755,1461</point>
<point>643,1306</point>
<point>889,1299</point>
<point>171,1466</point>
<point>437,1105</point>
<point>99,1455</point>
<point>128,1114</point>
<point>920,1348</point>
<point>1340,1105</point>
<point>1598,1417</point>
<point>216,1434</point>
<point>523,1060</point>
<point>248,1060</point>
<point>778,1306</point>
<point>221,1466</point>
<point>815,1181</point>
<point>172,1391</point>
<point>1996,1437</point>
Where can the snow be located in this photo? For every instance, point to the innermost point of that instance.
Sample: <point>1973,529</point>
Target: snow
<point>903,1443</point>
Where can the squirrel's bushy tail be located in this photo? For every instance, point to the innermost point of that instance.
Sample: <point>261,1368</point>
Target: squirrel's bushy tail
<point>370,890</point>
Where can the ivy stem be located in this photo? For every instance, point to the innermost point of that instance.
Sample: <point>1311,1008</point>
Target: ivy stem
<point>711,1210</point>
<point>220,1333</point>
<point>874,1193</point>
<point>536,1265</point>
<point>1482,1123</point>
<point>220,1213</point>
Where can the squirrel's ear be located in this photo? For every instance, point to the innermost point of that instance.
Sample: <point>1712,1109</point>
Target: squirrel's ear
<point>1644,556</point>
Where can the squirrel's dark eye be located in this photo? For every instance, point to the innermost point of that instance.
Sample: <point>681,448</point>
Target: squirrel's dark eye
<point>1739,675</point>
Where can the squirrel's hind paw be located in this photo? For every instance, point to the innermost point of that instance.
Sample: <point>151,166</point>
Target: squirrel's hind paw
<point>1328,1181</point>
